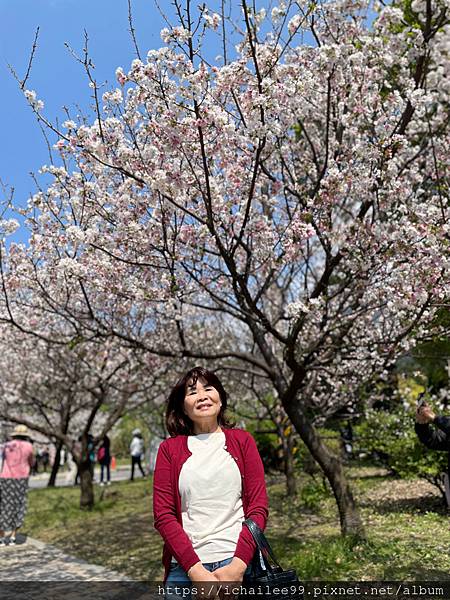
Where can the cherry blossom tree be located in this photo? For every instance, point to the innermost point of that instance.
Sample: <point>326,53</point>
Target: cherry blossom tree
<point>69,390</point>
<point>283,208</point>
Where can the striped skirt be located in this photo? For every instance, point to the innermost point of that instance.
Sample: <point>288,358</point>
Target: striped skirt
<point>13,502</point>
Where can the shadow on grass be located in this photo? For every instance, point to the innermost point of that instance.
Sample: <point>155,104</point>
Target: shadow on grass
<point>119,533</point>
<point>125,544</point>
<point>419,505</point>
<point>379,475</point>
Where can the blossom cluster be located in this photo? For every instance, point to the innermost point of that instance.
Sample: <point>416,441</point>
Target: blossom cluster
<point>294,197</point>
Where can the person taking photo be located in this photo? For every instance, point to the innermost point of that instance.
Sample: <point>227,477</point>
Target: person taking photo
<point>434,438</point>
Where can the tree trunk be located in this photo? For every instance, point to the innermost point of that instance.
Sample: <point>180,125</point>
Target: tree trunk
<point>288,459</point>
<point>55,466</point>
<point>351,523</point>
<point>65,418</point>
<point>284,431</point>
<point>80,453</point>
<point>87,489</point>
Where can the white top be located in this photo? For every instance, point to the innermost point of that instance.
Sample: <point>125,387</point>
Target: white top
<point>210,488</point>
<point>137,446</point>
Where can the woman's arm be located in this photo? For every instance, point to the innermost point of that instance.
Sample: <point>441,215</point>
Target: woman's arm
<point>435,439</point>
<point>444,425</point>
<point>254,489</point>
<point>164,512</point>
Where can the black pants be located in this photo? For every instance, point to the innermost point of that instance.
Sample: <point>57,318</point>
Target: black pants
<point>136,460</point>
<point>105,467</point>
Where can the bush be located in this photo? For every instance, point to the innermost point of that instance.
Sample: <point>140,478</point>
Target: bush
<point>313,493</point>
<point>389,437</point>
<point>270,445</point>
<point>269,448</point>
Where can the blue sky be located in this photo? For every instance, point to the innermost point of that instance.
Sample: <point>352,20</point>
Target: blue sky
<point>56,77</point>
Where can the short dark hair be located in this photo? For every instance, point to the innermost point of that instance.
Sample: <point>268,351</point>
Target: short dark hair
<point>177,422</point>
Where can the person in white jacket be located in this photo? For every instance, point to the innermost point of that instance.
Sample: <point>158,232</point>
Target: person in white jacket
<point>136,452</point>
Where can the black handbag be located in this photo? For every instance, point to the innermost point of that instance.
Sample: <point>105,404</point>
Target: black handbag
<point>266,571</point>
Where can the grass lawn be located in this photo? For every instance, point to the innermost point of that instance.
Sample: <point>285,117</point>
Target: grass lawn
<point>408,531</point>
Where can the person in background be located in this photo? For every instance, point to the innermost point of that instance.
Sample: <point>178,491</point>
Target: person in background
<point>34,466</point>
<point>136,452</point>
<point>91,454</point>
<point>17,461</point>
<point>72,469</point>
<point>104,459</point>
<point>45,458</point>
<point>435,438</point>
<point>77,450</point>
<point>38,459</point>
<point>62,457</point>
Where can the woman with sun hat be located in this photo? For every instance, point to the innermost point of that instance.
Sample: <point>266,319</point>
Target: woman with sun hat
<point>16,462</point>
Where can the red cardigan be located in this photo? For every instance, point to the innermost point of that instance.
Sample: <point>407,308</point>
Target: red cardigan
<point>172,454</point>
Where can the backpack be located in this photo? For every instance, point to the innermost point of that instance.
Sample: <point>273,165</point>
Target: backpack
<point>101,453</point>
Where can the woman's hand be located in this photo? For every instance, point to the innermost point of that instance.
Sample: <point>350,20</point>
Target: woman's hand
<point>425,415</point>
<point>198,573</point>
<point>233,572</point>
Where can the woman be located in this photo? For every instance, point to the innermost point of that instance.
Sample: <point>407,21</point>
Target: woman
<point>208,479</point>
<point>104,459</point>
<point>17,461</point>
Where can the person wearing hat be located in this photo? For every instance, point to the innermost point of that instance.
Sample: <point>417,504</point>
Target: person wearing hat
<point>136,452</point>
<point>17,459</point>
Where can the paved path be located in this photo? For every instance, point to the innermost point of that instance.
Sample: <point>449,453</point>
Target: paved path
<point>66,479</point>
<point>32,570</point>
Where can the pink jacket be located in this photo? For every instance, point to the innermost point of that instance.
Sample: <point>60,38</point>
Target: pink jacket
<point>172,453</point>
<point>17,459</point>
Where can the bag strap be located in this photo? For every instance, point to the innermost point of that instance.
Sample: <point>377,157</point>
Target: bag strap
<point>264,546</point>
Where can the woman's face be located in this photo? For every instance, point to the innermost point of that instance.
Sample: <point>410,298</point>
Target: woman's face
<point>202,402</point>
